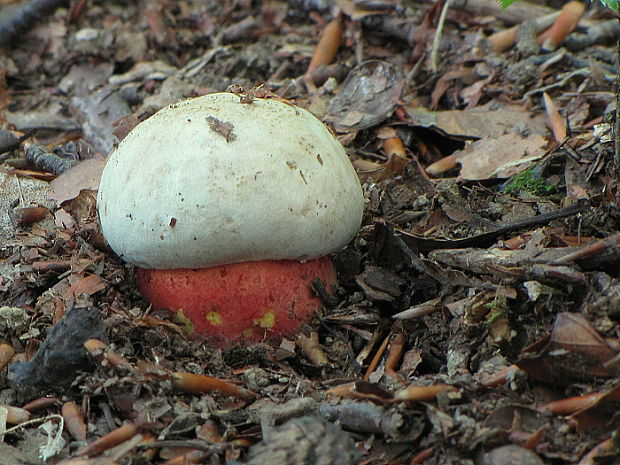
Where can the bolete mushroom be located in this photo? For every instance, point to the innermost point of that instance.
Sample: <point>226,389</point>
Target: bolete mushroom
<point>229,207</point>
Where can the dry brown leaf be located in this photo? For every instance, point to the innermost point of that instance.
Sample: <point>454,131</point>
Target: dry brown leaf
<point>572,332</point>
<point>501,157</point>
<point>88,285</point>
<point>483,121</point>
<point>85,175</point>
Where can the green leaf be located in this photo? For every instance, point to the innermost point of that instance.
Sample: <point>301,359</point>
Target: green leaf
<point>507,3</point>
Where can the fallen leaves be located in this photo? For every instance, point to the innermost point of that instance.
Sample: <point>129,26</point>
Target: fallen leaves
<point>502,157</point>
<point>476,284</point>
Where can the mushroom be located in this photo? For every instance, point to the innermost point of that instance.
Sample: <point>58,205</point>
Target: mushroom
<point>229,207</point>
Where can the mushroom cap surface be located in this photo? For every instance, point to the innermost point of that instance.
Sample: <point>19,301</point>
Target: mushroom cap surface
<point>212,181</point>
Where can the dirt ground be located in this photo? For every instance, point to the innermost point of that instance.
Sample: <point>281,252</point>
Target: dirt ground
<point>476,318</point>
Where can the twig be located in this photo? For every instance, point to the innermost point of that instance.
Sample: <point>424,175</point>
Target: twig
<point>424,244</point>
<point>188,443</point>
<point>434,57</point>
<point>610,243</point>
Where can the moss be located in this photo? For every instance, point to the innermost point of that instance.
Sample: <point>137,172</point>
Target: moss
<point>530,181</point>
<point>498,308</point>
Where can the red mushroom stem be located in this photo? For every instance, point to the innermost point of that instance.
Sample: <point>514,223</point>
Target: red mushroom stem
<point>247,301</point>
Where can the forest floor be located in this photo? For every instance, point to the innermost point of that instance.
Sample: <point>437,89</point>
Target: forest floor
<point>477,317</point>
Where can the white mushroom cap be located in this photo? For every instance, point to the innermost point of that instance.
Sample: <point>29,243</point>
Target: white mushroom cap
<point>212,181</point>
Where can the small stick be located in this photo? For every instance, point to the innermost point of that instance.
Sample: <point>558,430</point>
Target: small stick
<point>419,310</point>
<point>44,160</point>
<point>434,56</point>
<point>343,390</point>
<point>27,215</point>
<point>612,242</point>
<point>363,355</point>
<point>58,266</point>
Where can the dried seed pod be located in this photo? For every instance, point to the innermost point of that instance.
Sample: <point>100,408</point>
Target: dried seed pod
<point>7,352</point>
<point>74,421</point>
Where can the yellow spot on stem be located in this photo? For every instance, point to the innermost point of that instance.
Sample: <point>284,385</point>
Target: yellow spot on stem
<point>267,321</point>
<point>187,324</point>
<point>214,318</point>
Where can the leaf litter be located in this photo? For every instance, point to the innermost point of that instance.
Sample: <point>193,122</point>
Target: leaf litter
<point>476,319</point>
